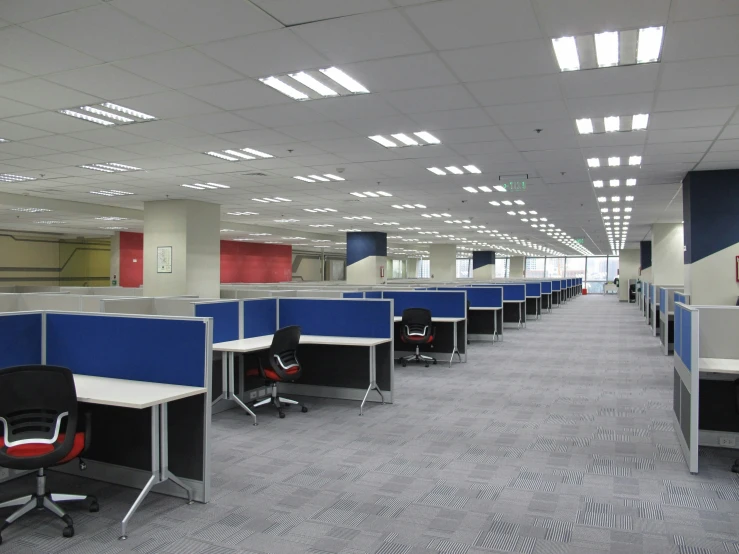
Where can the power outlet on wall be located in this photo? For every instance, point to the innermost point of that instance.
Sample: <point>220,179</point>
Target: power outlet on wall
<point>727,441</point>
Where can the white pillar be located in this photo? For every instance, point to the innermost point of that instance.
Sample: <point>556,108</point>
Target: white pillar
<point>411,267</point>
<point>443,262</point>
<point>516,267</point>
<point>628,268</point>
<point>668,258</point>
<point>190,232</point>
<point>483,265</point>
<point>115,259</point>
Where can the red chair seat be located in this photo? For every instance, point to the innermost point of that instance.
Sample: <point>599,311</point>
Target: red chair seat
<point>270,374</point>
<point>421,340</point>
<point>39,449</point>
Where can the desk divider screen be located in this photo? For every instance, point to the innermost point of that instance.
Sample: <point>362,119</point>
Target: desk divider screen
<point>663,301</point>
<point>481,297</point>
<point>225,316</point>
<point>513,292</point>
<point>373,294</point>
<point>546,287</point>
<point>651,294</point>
<point>260,317</point>
<point>139,306</point>
<point>338,317</point>
<point>441,303</point>
<point>130,347</point>
<point>562,284</point>
<point>682,298</point>
<point>533,290</point>
<point>21,339</point>
<point>556,285</point>
<point>353,295</point>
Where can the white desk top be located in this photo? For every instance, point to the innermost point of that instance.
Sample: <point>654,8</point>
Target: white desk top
<point>261,343</point>
<point>129,394</point>
<point>486,308</point>
<point>398,318</point>
<point>719,365</point>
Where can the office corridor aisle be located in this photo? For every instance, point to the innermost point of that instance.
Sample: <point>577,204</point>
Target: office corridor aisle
<point>558,440</point>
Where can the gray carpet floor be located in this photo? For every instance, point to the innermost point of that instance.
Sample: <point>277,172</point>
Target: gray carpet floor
<point>557,440</point>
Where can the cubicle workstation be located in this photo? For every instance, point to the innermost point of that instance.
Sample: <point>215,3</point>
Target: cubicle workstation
<point>666,317</point>
<point>646,288</point>
<point>449,316</point>
<point>143,380</point>
<point>556,298</point>
<point>485,312</point>
<point>706,369</point>
<point>655,297</point>
<point>346,349</point>
<point>533,299</point>
<point>514,304</point>
<point>546,296</point>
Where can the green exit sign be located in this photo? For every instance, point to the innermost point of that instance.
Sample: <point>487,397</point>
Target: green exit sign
<point>579,241</point>
<point>516,186</point>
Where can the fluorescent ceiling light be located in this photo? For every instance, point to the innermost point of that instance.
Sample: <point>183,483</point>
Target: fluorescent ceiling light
<point>304,179</point>
<point>453,169</point>
<point>485,189</point>
<point>639,122</point>
<point>494,203</point>
<point>522,212</point>
<point>397,207</point>
<point>615,210</point>
<point>428,137</point>
<point>383,141</point>
<point>612,124</point>
<point>109,115</point>
<point>473,190</point>
<point>615,199</point>
<point>584,126</point>
<point>565,49</point>
<point>614,161</point>
<point>383,193</point>
<point>128,111</point>
<point>593,162</point>
<point>405,139</point>
<point>511,213</point>
<point>334,177</point>
<point>284,88</point>
<point>371,194</point>
<point>519,202</point>
<point>37,210</point>
<point>358,194</point>
<point>222,156</point>
<point>604,210</point>
<point>606,48</point>
<point>629,199</point>
<point>628,209</point>
<point>630,182</point>
<point>602,199</point>
<point>241,213</point>
<point>614,182</point>
<point>506,202</point>
<point>472,169</point>
<point>533,212</point>
<point>436,170</point>
<point>649,44</point>
<point>257,153</point>
<point>344,80</point>
<point>634,160</point>
<point>499,188</point>
<point>313,84</point>
<point>598,184</point>
<point>318,178</point>
<point>239,154</point>
<point>86,117</point>
<point>11,178</point>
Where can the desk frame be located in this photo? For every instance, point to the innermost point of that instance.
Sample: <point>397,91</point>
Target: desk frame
<point>455,321</point>
<point>497,333</point>
<point>521,317</point>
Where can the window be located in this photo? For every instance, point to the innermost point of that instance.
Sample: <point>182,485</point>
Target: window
<point>423,269</point>
<point>597,268</point>
<point>613,264</point>
<point>535,268</point>
<point>395,269</point>
<point>555,268</point>
<point>464,268</point>
<point>575,267</point>
<point>502,268</point>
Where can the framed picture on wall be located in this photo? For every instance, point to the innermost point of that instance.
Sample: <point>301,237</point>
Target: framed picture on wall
<point>164,259</point>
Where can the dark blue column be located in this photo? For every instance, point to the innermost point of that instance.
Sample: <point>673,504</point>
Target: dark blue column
<point>483,265</point>
<point>366,256</point>
<point>645,251</point>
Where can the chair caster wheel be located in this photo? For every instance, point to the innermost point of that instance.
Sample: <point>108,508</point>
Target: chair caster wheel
<point>427,365</point>
<point>434,362</point>
<point>304,410</point>
<point>94,507</point>
<point>83,466</point>
<point>404,363</point>
<point>282,415</point>
<point>68,532</point>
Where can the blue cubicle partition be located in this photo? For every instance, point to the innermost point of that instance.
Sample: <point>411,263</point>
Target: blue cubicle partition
<point>686,392</point>
<point>546,287</point>
<point>662,300</point>
<point>352,295</point>
<point>682,298</point>
<point>22,338</point>
<point>441,303</point>
<point>533,290</point>
<point>480,297</point>
<point>140,348</point>
<point>373,294</point>
<point>513,292</point>
<point>260,317</point>
<point>225,316</point>
<point>651,294</point>
<point>338,317</point>
<point>556,285</point>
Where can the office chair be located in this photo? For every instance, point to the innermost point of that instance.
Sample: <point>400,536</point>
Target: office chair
<point>415,328</point>
<point>38,421</point>
<point>285,367</point>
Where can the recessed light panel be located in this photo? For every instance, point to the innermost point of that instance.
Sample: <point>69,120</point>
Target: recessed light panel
<point>110,167</point>
<point>314,84</point>
<point>371,194</point>
<point>401,140</point>
<point>612,124</point>
<point>454,170</point>
<point>239,154</point>
<point>274,199</point>
<point>111,193</point>
<point>609,49</point>
<point>324,178</point>
<point>34,210</point>
<point>108,114</point>
<point>241,213</point>
<point>205,186</point>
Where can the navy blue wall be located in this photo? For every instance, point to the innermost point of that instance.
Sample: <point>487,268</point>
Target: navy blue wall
<point>363,245</point>
<point>482,258</point>
<point>710,212</point>
<point>645,249</point>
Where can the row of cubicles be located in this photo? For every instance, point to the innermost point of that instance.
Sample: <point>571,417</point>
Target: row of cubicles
<point>705,367</point>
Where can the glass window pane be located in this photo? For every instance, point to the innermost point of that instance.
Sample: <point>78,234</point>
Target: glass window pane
<point>464,268</point>
<point>575,267</point>
<point>423,269</point>
<point>597,268</point>
<point>595,287</point>
<point>555,268</point>
<point>501,268</point>
<point>613,262</point>
<point>535,268</point>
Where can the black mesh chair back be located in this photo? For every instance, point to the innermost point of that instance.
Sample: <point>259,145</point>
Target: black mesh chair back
<point>283,353</point>
<point>416,323</point>
<point>37,403</point>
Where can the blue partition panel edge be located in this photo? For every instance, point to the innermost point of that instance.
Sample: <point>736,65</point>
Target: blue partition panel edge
<point>678,331</point>
<point>260,317</point>
<point>546,287</point>
<point>514,293</point>
<point>155,350</point>
<point>481,297</point>
<point>663,301</point>
<point>556,285</point>
<point>352,295</point>
<point>225,319</point>
<point>373,294</point>
<point>533,289</point>
<point>338,318</point>
<point>21,339</point>
<point>441,303</point>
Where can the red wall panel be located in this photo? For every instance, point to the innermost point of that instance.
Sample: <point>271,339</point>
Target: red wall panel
<point>241,262</point>
<point>132,248</point>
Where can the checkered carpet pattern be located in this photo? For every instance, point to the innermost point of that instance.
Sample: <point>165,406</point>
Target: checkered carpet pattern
<point>557,440</point>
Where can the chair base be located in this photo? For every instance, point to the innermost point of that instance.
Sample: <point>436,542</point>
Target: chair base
<point>277,401</point>
<point>42,500</point>
<point>417,357</point>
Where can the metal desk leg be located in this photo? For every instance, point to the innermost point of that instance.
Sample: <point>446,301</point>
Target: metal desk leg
<point>159,464</point>
<point>455,349</point>
<point>224,380</point>
<point>231,395</point>
<point>373,379</point>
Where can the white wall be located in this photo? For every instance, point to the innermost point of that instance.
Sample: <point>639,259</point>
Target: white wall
<point>712,280</point>
<point>367,271</point>
<point>667,253</point>
<point>443,262</point>
<point>628,268</point>
<point>516,268</point>
<point>411,267</point>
